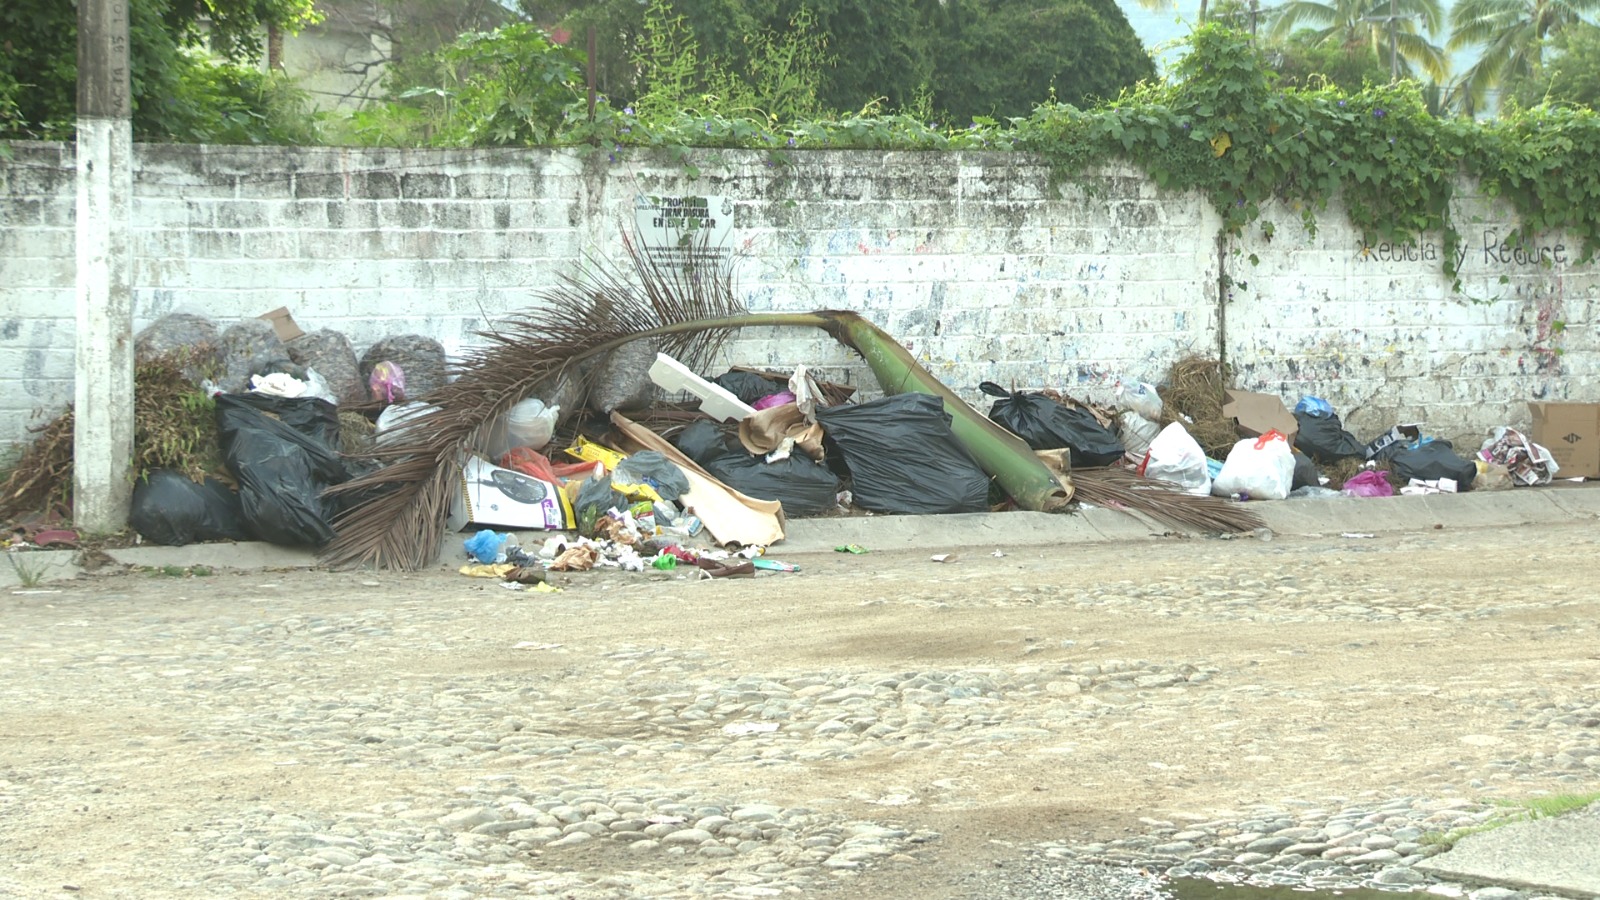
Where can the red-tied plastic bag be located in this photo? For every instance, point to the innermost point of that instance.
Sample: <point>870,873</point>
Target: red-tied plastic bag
<point>1259,468</point>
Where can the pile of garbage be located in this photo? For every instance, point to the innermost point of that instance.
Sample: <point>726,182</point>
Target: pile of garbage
<point>1268,452</point>
<point>637,462</point>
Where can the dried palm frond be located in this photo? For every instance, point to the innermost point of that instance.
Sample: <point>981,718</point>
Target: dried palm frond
<point>1123,490</point>
<point>602,307</point>
<point>174,427</point>
<point>688,311</point>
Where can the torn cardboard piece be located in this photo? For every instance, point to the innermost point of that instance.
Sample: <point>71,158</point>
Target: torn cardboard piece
<point>730,517</point>
<point>1255,414</point>
<point>283,323</point>
<point>1400,434</point>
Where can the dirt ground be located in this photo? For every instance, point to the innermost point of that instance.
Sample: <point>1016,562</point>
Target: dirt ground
<point>1400,666</point>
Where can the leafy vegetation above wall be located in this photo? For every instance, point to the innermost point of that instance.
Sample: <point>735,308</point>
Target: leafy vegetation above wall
<point>1223,124</point>
<point>1224,127</point>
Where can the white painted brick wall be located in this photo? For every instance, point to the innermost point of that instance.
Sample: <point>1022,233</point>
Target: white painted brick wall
<point>1379,333</point>
<point>971,259</point>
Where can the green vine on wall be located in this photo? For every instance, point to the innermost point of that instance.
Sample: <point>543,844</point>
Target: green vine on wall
<point>1223,128</point>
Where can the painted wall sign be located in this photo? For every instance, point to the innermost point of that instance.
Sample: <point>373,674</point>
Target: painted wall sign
<point>681,228</point>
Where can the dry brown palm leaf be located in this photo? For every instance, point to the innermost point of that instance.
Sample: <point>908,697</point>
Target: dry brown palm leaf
<point>400,521</point>
<point>1194,394</point>
<point>1123,490</point>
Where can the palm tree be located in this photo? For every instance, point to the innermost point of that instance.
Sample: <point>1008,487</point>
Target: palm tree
<point>1392,29</point>
<point>1512,33</point>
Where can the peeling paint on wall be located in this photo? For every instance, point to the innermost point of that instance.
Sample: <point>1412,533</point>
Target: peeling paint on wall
<point>972,260</point>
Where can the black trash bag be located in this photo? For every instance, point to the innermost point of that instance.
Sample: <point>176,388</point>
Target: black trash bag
<point>283,452</point>
<point>1305,472</point>
<point>651,468</point>
<point>903,457</point>
<point>1047,425</point>
<point>748,386</point>
<point>1324,439</point>
<point>702,442</point>
<point>804,486</point>
<point>596,497</point>
<point>169,508</point>
<point>1430,461</point>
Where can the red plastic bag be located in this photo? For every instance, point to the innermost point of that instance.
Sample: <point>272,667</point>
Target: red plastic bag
<point>529,461</point>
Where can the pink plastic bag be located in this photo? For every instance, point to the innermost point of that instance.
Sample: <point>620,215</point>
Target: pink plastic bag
<point>1369,483</point>
<point>773,400</point>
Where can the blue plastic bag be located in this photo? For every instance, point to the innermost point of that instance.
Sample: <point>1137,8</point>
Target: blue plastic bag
<point>1316,407</point>
<point>485,546</point>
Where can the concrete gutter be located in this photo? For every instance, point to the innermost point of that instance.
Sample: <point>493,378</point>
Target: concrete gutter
<point>955,533</point>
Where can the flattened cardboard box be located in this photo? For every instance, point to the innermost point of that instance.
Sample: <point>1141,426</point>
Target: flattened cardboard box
<point>1571,432</point>
<point>1256,414</point>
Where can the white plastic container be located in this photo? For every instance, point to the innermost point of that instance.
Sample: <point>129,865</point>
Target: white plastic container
<point>531,424</point>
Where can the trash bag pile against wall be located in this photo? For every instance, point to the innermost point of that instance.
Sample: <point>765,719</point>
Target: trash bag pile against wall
<point>804,486</point>
<point>1047,425</point>
<point>283,452</point>
<point>903,457</point>
<point>168,508</point>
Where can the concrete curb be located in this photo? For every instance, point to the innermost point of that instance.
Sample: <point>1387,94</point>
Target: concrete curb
<point>1554,855</point>
<point>955,533</point>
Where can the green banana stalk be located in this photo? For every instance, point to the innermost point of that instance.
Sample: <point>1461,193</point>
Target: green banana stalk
<point>1004,456</point>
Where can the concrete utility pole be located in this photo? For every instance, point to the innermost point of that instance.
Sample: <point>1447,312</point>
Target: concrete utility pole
<point>102,440</point>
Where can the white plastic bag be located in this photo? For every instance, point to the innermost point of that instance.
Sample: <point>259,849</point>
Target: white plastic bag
<point>393,415</point>
<point>278,384</point>
<point>317,386</point>
<point>1141,398</point>
<point>1260,468</point>
<point>1174,456</point>
<point>1136,432</point>
<point>531,424</point>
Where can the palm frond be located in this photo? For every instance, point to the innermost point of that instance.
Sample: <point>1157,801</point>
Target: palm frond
<point>1122,490</point>
<point>399,520</point>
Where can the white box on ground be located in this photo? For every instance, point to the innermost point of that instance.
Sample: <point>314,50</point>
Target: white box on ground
<point>715,401</point>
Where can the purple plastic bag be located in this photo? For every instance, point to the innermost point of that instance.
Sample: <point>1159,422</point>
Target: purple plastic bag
<point>1369,483</point>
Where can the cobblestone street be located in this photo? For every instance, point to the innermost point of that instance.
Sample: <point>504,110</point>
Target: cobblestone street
<point>873,722</point>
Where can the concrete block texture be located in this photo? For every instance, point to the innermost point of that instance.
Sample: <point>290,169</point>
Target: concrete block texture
<point>973,260</point>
